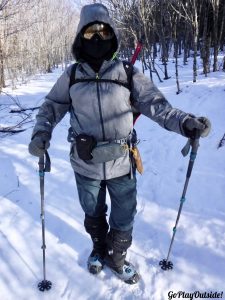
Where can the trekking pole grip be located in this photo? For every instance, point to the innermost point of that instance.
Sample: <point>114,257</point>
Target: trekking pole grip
<point>44,163</point>
<point>194,144</point>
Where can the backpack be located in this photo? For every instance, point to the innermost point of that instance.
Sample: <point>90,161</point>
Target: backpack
<point>128,67</point>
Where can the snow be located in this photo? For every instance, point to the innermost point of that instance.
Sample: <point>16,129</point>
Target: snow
<point>198,253</point>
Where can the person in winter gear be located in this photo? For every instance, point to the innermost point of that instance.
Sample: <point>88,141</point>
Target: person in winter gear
<point>101,118</point>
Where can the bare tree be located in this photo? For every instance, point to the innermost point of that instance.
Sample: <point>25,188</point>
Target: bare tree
<point>206,39</point>
<point>176,23</point>
<point>215,6</point>
<point>35,36</point>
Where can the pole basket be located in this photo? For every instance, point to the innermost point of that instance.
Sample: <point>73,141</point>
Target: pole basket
<point>166,265</point>
<point>44,285</point>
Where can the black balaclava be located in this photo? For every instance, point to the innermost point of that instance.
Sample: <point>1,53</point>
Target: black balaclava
<point>91,14</point>
<point>96,47</point>
<point>96,50</point>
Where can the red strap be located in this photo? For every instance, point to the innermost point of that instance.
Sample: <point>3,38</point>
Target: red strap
<point>133,60</point>
<point>136,53</point>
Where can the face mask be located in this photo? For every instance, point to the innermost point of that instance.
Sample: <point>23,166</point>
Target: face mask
<point>96,47</point>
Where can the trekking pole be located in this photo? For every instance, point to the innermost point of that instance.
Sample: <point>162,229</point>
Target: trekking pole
<point>194,143</point>
<point>44,166</point>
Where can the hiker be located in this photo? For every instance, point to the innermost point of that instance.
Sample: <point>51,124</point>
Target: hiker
<point>101,102</point>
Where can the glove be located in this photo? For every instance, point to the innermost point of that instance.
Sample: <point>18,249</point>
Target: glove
<point>39,143</point>
<point>200,123</point>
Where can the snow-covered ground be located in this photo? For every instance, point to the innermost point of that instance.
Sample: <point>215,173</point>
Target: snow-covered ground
<point>198,253</point>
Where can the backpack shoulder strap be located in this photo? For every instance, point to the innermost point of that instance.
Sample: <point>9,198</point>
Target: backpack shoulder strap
<point>72,75</point>
<point>72,80</point>
<point>128,67</point>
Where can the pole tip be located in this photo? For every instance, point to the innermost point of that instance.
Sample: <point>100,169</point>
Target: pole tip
<point>166,265</point>
<point>44,285</point>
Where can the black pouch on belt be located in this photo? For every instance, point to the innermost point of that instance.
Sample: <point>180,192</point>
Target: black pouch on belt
<point>85,144</point>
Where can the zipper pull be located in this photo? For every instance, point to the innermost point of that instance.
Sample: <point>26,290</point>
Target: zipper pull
<point>97,76</point>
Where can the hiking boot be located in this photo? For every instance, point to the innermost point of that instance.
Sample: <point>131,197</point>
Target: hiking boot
<point>95,263</point>
<point>97,227</point>
<point>127,273</point>
<point>117,243</point>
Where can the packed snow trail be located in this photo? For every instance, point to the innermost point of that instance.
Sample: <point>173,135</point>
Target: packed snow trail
<point>199,249</point>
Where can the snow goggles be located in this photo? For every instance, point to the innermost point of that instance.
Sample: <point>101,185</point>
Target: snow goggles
<point>103,30</point>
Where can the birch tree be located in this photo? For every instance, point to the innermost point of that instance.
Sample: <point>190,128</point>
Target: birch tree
<point>35,35</point>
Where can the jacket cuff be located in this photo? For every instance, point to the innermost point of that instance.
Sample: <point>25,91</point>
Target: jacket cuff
<point>45,134</point>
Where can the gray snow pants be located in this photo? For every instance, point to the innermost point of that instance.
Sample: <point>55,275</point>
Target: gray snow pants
<point>122,191</point>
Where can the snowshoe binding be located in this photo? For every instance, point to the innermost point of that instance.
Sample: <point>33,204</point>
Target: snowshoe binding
<point>127,273</point>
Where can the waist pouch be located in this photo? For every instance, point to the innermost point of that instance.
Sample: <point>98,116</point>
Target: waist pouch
<point>107,151</point>
<point>89,149</point>
<point>85,144</point>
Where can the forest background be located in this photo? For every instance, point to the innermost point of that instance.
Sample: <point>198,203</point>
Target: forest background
<point>36,35</point>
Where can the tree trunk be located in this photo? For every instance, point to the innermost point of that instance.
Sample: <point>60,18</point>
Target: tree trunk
<point>195,57</point>
<point>222,30</point>
<point>163,42</point>
<point>205,53</point>
<point>2,77</point>
<point>176,46</point>
<point>176,66</point>
<point>149,63</point>
<point>215,34</point>
<point>186,44</point>
<point>144,65</point>
<point>195,40</point>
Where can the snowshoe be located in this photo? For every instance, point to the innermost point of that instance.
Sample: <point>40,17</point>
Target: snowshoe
<point>127,273</point>
<point>95,263</point>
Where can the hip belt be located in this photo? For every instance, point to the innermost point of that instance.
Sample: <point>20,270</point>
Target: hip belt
<point>89,149</point>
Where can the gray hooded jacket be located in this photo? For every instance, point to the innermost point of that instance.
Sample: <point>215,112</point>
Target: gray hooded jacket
<point>103,109</point>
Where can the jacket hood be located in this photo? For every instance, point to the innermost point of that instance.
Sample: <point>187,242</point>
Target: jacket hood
<point>92,13</point>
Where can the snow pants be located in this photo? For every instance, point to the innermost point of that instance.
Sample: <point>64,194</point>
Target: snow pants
<point>122,192</point>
